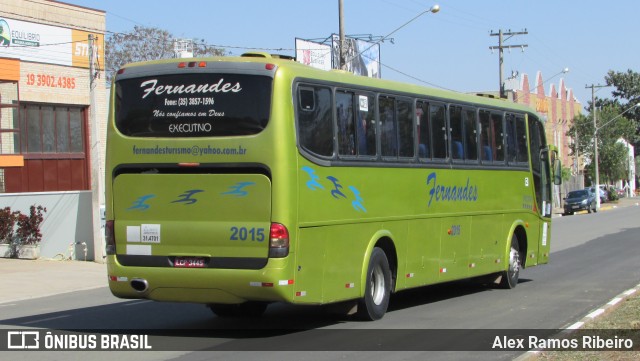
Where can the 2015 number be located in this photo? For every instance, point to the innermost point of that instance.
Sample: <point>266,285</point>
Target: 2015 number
<point>247,234</point>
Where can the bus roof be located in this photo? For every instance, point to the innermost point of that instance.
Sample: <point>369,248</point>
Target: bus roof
<point>340,76</point>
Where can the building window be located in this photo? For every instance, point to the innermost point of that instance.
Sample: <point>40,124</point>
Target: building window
<point>51,129</point>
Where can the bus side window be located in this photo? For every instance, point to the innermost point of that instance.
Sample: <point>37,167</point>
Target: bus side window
<point>405,129</point>
<point>438,130</point>
<point>470,134</point>
<point>498,131</point>
<point>457,140</point>
<point>315,121</point>
<point>424,135</point>
<point>521,135</point>
<point>487,143</point>
<point>389,133</point>
<point>307,99</point>
<point>512,148</point>
<point>366,126</point>
<point>346,125</point>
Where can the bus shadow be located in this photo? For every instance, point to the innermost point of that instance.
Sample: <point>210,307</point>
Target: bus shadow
<point>441,292</point>
<point>156,318</point>
<point>192,327</point>
<point>159,317</point>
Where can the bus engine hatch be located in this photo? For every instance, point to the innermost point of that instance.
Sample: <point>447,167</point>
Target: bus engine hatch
<point>192,220</point>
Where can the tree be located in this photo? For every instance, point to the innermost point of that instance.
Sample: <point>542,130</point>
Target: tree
<point>627,86</point>
<point>566,174</point>
<point>146,43</point>
<point>612,156</point>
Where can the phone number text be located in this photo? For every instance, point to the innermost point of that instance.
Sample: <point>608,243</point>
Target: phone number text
<point>51,81</point>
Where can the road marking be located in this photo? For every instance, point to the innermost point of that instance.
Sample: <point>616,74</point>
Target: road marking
<point>45,319</point>
<point>575,326</point>
<point>614,301</point>
<point>135,303</point>
<point>596,313</point>
<point>629,292</point>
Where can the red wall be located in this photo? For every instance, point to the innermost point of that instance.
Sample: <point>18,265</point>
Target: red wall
<point>43,175</point>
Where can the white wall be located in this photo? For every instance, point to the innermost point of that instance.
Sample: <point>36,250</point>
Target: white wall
<point>67,221</point>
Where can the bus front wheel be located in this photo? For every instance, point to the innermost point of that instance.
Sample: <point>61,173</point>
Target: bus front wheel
<point>377,292</point>
<point>510,276</point>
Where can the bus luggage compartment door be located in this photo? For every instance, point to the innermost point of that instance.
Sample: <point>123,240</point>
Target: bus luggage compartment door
<point>192,220</point>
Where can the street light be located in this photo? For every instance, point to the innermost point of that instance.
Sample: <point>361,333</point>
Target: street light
<point>595,145</point>
<point>434,9</point>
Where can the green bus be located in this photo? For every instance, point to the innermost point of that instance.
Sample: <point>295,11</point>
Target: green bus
<point>239,181</point>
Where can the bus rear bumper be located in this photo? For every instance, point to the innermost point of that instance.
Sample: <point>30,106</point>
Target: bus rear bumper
<point>229,286</point>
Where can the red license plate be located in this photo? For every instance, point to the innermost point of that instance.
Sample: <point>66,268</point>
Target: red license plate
<point>189,262</point>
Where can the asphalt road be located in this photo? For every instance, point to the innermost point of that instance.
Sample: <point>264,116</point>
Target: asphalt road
<point>594,258</point>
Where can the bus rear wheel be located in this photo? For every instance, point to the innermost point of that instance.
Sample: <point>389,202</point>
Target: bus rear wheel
<point>510,276</point>
<point>250,309</point>
<point>377,291</point>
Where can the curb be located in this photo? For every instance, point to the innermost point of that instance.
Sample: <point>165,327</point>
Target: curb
<point>588,318</point>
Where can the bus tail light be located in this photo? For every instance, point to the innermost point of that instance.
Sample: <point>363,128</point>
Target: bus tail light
<point>192,64</point>
<point>110,237</point>
<point>278,241</point>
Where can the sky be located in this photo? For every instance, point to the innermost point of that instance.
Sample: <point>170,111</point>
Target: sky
<point>448,49</point>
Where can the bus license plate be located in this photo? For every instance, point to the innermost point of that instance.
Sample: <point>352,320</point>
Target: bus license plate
<point>189,262</point>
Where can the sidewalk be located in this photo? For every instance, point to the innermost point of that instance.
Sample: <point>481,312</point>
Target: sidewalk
<point>26,279</point>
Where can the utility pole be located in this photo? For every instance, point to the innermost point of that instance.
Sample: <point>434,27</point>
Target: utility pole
<point>501,48</point>
<point>576,161</point>
<point>342,58</point>
<point>96,174</point>
<point>595,140</point>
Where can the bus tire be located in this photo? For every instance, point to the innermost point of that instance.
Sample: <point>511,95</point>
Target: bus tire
<point>510,277</point>
<point>248,309</point>
<point>377,291</point>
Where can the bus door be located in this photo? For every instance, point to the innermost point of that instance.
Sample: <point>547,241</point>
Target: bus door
<point>540,158</point>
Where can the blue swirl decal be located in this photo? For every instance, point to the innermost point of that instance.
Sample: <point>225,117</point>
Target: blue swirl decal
<point>139,204</point>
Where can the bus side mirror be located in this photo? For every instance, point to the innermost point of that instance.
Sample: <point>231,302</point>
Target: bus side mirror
<point>557,172</point>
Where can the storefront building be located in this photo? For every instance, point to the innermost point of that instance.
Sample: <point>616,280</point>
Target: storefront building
<point>45,109</point>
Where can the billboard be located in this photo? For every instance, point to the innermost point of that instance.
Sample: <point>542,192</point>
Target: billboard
<point>362,57</point>
<point>47,44</point>
<point>313,54</point>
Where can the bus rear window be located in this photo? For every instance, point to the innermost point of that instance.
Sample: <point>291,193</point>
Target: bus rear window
<point>193,105</point>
